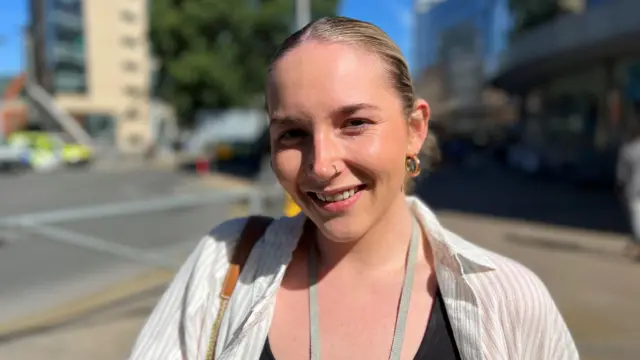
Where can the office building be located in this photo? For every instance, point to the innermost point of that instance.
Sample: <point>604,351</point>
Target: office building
<point>578,76</point>
<point>93,57</point>
<point>456,41</point>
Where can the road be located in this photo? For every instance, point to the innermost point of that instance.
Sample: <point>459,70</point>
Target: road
<point>572,238</point>
<point>37,272</point>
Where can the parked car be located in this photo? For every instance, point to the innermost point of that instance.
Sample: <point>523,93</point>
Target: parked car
<point>234,140</point>
<point>48,150</point>
<point>12,158</point>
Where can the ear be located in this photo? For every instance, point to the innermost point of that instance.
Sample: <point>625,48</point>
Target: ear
<point>418,126</point>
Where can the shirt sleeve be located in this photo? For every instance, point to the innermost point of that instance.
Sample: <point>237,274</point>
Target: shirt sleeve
<point>544,335</point>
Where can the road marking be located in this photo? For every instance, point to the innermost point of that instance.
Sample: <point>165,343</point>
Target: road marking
<point>75,309</point>
<point>141,256</point>
<point>140,207</point>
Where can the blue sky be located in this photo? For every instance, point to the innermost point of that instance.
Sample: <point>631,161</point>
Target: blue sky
<point>393,16</point>
<point>13,17</point>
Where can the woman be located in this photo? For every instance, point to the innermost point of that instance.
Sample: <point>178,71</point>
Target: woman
<point>365,272</point>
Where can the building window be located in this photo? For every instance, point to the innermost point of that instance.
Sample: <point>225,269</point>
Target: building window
<point>66,20</point>
<point>131,113</point>
<point>69,81</point>
<point>69,2</point>
<point>101,127</point>
<point>128,16</point>
<point>68,53</point>
<point>130,66</point>
<point>133,91</point>
<point>129,41</point>
<point>64,47</point>
<point>134,140</point>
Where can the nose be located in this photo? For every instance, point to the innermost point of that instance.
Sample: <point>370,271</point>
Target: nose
<point>322,156</point>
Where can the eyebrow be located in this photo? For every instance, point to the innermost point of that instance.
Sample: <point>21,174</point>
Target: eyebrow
<point>284,120</point>
<point>342,111</point>
<point>350,109</point>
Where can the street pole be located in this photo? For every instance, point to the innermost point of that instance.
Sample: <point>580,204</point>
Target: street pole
<point>28,60</point>
<point>303,13</point>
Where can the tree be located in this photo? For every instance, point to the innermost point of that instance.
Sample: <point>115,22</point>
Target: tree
<point>215,53</point>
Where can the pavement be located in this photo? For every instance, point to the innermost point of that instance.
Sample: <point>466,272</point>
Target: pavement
<point>595,288</point>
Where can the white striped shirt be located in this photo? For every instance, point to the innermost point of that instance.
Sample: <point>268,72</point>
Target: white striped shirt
<point>498,308</point>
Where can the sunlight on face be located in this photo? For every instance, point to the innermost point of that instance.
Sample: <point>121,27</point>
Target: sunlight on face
<point>339,136</point>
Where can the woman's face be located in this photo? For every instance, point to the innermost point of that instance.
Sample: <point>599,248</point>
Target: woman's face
<point>339,136</point>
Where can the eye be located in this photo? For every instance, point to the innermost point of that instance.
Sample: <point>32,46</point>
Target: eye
<point>356,123</point>
<point>291,135</point>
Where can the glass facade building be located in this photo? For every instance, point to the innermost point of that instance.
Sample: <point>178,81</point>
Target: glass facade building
<point>485,23</point>
<point>456,43</point>
<point>577,78</point>
<point>59,45</point>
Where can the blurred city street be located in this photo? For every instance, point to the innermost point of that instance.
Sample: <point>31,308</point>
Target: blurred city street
<point>38,271</point>
<point>126,136</point>
<point>112,297</point>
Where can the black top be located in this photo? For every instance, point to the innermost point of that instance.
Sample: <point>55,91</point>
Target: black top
<point>437,343</point>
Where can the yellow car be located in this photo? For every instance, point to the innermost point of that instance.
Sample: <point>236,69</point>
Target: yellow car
<point>290,207</point>
<point>51,146</point>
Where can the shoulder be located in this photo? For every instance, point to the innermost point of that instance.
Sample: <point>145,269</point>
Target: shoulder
<point>513,297</point>
<point>218,245</point>
<point>498,272</point>
<point>502,278</point>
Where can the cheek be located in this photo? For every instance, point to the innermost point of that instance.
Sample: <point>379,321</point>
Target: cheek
<point>286,166</point>
<point>381,155</point>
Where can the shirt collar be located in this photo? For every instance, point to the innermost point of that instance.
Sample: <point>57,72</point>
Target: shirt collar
<point>467,257</point>
<point>450,249</point>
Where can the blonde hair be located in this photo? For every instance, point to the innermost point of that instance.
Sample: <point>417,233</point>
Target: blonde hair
<point>370,38</point>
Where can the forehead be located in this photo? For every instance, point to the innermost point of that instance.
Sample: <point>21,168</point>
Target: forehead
<point>328,74</point>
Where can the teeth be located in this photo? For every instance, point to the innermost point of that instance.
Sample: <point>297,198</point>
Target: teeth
<point>338,197</point>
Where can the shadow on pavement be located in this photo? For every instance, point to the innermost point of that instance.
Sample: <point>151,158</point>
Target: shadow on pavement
<point>489,189</point>
<point>138,304</point>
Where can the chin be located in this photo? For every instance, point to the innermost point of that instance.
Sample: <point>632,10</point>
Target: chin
<point>343,229</point>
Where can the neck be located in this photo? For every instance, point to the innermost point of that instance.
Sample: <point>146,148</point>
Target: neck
<point>383,247</point>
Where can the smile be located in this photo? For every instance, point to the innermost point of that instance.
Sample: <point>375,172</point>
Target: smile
<point>339,200</point>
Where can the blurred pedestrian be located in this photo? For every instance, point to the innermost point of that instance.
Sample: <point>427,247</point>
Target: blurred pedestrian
<point>365,271</point>
<point>628,186</point>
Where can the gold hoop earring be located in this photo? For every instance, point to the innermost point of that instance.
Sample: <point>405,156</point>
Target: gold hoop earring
<point>412,165</point>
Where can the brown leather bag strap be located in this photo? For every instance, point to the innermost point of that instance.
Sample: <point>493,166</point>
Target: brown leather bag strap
<point>252,232</point>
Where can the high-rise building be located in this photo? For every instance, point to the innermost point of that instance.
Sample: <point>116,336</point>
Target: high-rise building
<point>93,57</point>
<point>577,73</point>
<point>456,41</point>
